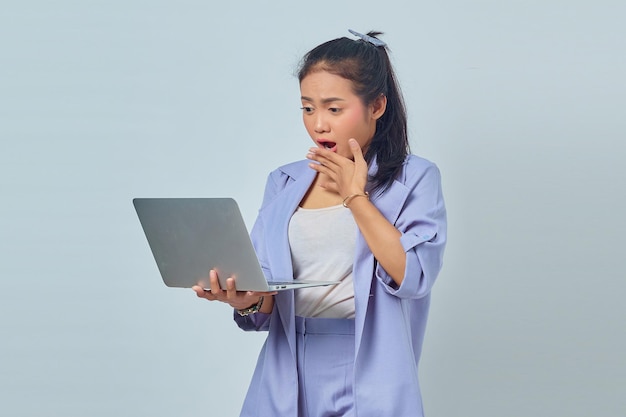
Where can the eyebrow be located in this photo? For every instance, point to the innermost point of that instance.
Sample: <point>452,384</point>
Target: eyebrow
<point>324,101</point>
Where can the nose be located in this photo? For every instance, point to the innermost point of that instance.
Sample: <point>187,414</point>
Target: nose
<point>321,125</point>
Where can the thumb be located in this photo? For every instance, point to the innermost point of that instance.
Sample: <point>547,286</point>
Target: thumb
<point>357,152</point>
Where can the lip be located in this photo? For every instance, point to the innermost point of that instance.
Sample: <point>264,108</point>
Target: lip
<point>322,144</point>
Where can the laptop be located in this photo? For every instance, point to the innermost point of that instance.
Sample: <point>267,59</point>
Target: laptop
<point>190,236</point>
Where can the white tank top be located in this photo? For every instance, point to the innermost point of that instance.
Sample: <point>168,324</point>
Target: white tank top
<point>322,248</point>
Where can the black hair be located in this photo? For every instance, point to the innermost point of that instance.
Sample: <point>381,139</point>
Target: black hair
<point>370,70</point>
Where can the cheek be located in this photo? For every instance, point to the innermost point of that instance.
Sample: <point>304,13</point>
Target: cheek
<point>307,124</point>
<point>353,118</point>
<point>356,123</point>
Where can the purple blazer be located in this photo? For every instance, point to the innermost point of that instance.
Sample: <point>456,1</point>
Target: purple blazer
<point>390,320</point>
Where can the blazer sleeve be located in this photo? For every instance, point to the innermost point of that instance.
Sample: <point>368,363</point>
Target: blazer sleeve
<point>422,222</point>
<point>260,321</point>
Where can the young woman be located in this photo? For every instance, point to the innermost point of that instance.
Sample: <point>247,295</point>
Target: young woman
<point>360,210</point>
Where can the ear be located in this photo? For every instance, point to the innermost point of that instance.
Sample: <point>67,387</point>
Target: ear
<point>378,106</point>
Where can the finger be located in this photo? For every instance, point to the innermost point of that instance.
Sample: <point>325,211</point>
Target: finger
<point>199,290</point>
<point>327,166</point>
<point>320,168</point>
<point>327,179</point>
<point>329,183</point>
<point>357,152</point>
<point>329,174</point>
<point>231,290</point>
<point>215,284</point>
<point>359,161</point>
<point>196,288</point>
<point>324,157</point>
<point>202,293</point>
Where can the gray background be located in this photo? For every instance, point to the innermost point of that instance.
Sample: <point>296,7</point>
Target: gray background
<point>520,103</point>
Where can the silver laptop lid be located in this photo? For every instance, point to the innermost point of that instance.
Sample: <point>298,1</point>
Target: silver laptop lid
<point>190,236</point>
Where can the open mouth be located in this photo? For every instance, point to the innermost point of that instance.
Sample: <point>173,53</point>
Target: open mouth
<point>327,144</point>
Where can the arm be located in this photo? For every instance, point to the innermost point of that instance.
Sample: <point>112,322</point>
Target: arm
<point>423,227</point>
<point>382,237</point>
<point>410,248</point>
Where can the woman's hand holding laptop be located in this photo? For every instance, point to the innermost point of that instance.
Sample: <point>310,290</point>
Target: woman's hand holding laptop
<point>246,302</point>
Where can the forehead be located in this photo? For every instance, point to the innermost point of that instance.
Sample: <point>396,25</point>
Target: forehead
<point>323,84</point>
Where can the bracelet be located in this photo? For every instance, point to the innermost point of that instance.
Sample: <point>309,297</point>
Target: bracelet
<point>351,196</point>
<point>252,309</point>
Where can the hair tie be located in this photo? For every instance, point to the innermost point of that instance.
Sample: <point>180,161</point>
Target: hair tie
<point>367,38</point>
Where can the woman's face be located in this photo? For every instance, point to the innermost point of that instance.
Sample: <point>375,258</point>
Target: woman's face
<point>332,113</point>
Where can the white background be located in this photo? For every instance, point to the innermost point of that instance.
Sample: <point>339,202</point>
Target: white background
<point>522,104</point>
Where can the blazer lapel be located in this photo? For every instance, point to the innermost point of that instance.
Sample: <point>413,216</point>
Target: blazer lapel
<point>277,216</point>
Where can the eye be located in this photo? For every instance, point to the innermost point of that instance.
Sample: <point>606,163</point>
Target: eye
<point>307,110</point>
<point>334,109</point>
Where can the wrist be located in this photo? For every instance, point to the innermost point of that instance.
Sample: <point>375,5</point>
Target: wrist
<point>252,309</point>
<point>350,197</point>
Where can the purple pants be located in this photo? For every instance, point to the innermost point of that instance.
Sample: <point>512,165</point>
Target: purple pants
<point>325,367</point>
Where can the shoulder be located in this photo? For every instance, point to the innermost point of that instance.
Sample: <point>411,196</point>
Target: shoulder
<point>416,169</point>
<point>291,170</point>
<point>282,175</point>
<point>280,178</point>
